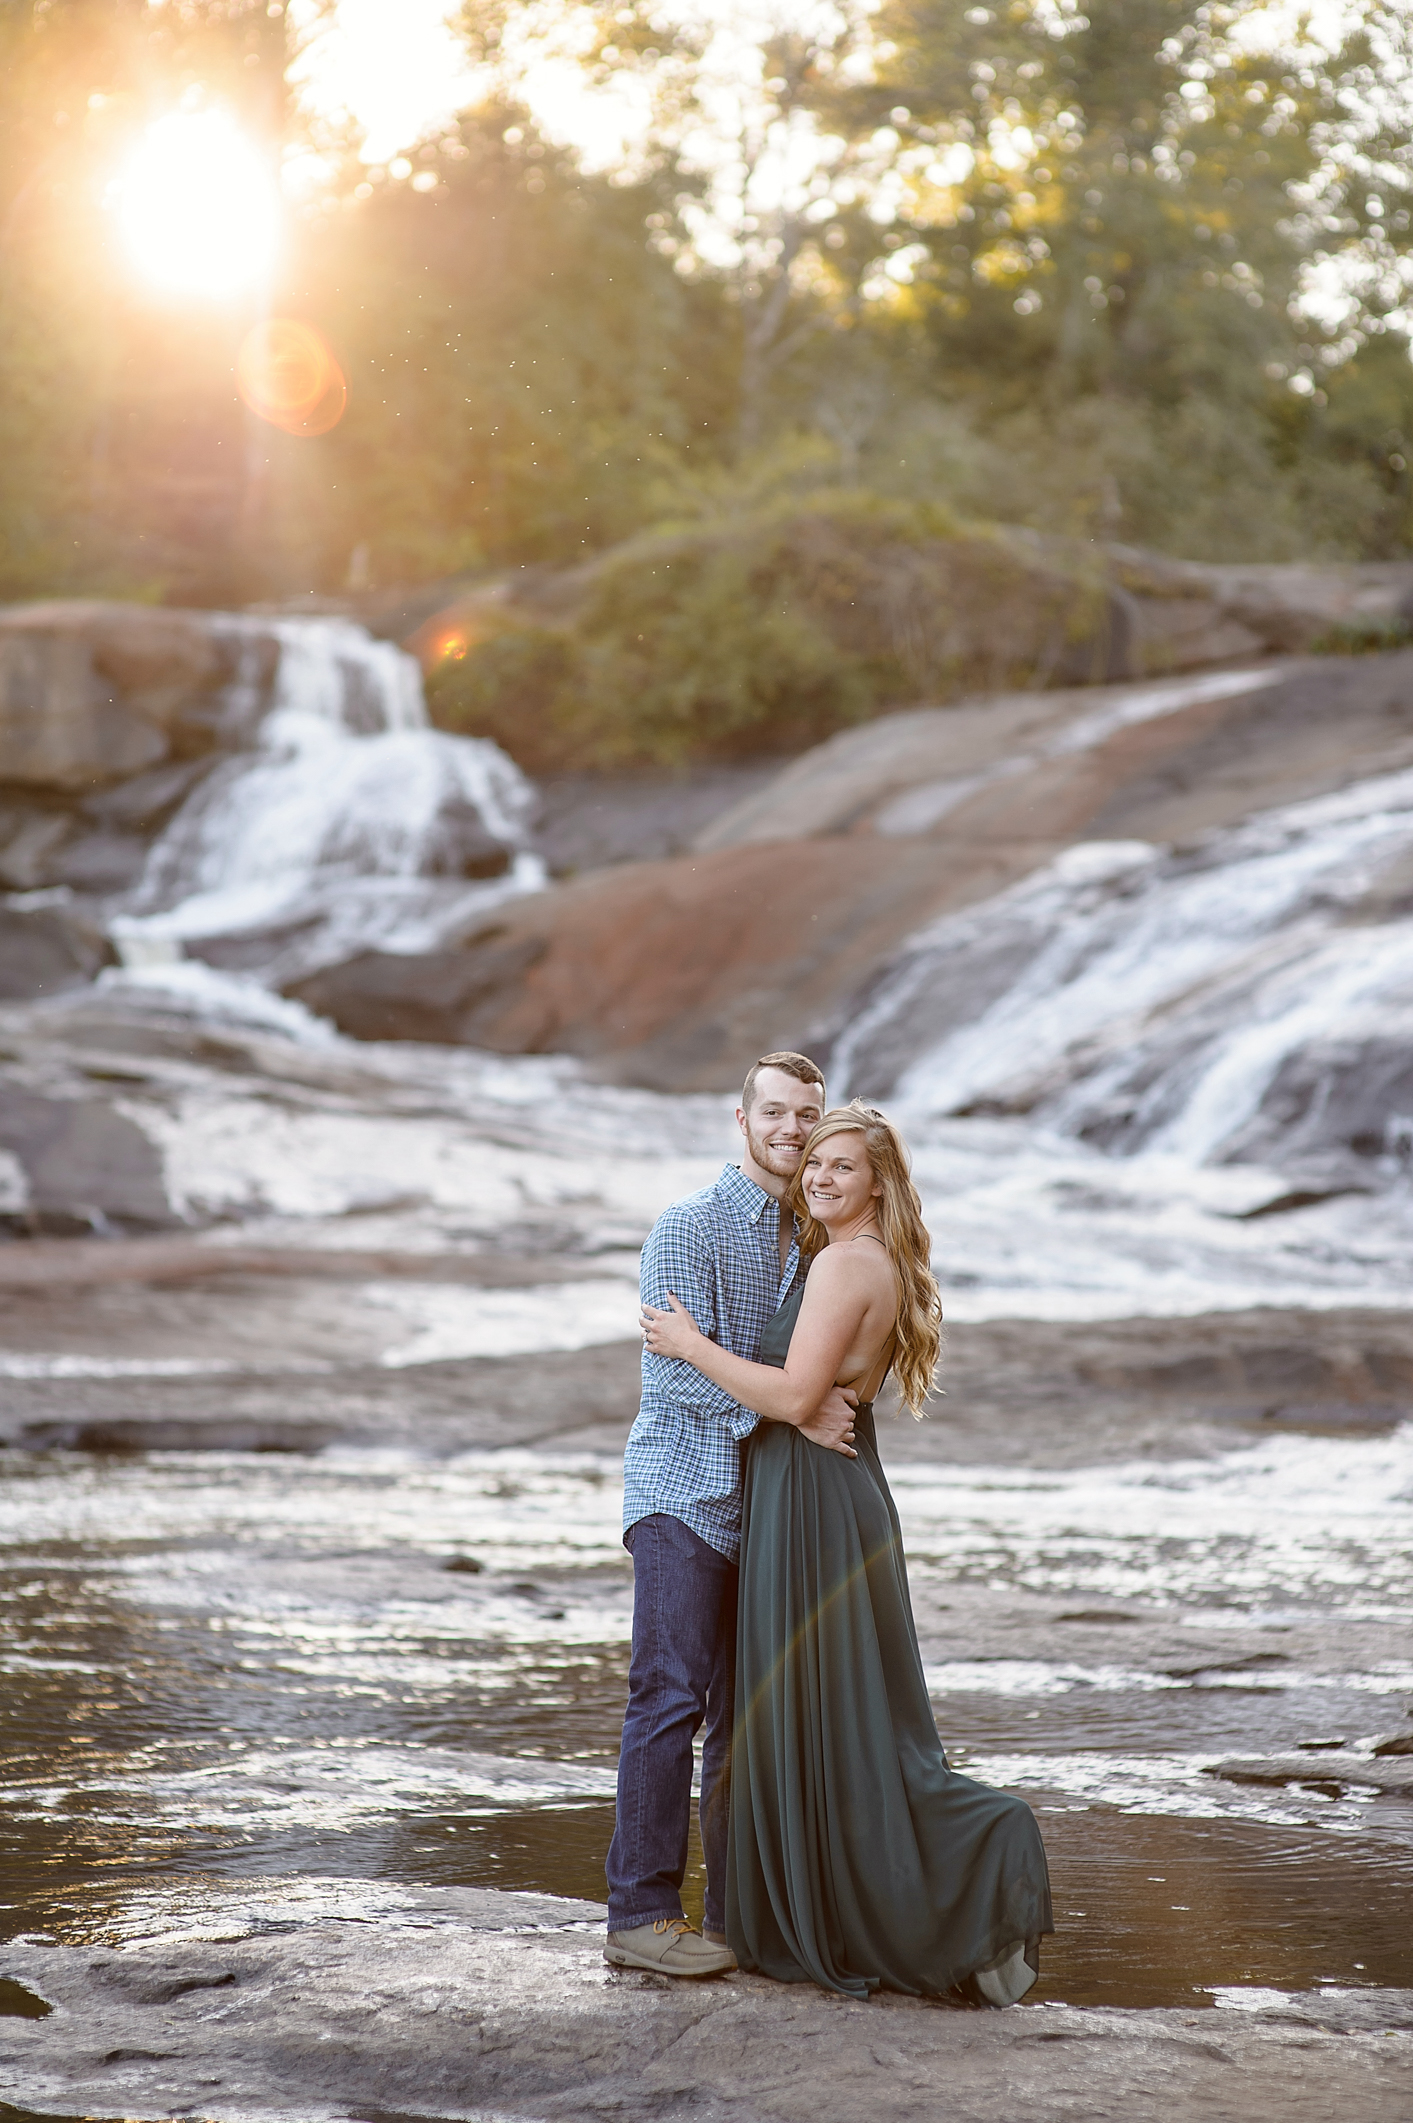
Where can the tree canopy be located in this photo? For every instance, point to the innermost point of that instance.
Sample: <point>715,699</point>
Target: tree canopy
<point>1130,273</point>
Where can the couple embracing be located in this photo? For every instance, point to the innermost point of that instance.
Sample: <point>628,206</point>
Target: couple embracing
<point>770,1596</point>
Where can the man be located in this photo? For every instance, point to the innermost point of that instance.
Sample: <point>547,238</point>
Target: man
<point>729,1255</point>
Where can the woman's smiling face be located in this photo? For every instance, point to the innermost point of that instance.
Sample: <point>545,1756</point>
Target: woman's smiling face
<point>838,1182</point>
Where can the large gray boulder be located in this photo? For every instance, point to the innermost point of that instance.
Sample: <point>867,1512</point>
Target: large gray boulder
<point>1161,759</point>
<point>61,726</point>
<point>92,693</point>
<point>1189,612</point>
<point>1346,1096</point>
<point>47,947</point>
<point>97,844</point>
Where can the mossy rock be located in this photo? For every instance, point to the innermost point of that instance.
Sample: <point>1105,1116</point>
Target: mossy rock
<point>765,633</point>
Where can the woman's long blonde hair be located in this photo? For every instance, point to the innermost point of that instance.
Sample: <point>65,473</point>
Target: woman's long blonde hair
<point>899,1211</point>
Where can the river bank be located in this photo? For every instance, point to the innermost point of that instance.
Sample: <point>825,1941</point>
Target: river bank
<point>375,1623</point>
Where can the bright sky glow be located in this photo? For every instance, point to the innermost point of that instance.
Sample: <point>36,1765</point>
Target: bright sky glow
<point>198,208</point>
<point>394,71</point>
<point>397,70</point>
<point>1284,22</point>
<point>394,67</point>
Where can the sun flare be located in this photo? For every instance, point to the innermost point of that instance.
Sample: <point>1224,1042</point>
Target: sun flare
<point>198,207</point>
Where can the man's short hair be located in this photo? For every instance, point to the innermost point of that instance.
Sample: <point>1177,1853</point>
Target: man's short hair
<point>797,1065</point>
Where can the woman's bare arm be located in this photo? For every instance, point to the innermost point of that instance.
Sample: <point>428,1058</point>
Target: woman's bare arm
<point>837,1296</point>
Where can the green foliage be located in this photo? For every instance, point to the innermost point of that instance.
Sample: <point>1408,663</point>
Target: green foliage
<point>521,364</point>
<point>1187,480</point>
<point>507,687</point>
<point>753,484</point>
<point>1363,637</point>
<point>766,631</point>
<point>1129,198</point>
<point>1111,215</point>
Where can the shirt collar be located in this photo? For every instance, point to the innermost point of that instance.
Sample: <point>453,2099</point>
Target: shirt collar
<point>751,1198</point>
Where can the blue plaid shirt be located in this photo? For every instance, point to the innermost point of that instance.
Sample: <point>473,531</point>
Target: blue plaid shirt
<point>718,1252</point>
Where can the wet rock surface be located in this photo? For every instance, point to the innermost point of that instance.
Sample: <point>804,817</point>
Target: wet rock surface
<point>280,776</point>
<point>459,2003</point>
<point>354,1644</point>
<point>1320,1767</point>
<point>450,995</point>
<point>677,972</point>
<point>383,873</point>
<point>1243,1001</point>
<point>1045,1394</point>
<point>85,1162</point>
<point>316,1612</point>
<point>590,821</point>
<point>1158,761</point>
<point>157,1110</point>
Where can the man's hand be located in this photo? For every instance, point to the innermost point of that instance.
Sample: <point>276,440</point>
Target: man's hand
<point>832,1424</point>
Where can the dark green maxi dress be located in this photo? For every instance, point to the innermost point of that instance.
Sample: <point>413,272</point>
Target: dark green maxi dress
<point>857,1857</point>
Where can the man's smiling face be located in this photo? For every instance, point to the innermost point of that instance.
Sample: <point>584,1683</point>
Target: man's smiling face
<point>781,1113</point>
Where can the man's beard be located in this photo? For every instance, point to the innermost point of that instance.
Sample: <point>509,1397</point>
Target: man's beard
<point>782,1164</point>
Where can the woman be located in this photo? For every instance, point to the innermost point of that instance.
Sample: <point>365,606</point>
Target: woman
<point>857,1857</point>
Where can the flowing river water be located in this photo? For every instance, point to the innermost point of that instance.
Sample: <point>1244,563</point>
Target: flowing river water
<point>307,1671</point>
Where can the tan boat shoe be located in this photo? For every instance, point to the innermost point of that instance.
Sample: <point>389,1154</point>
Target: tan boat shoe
<point>668,1947</point>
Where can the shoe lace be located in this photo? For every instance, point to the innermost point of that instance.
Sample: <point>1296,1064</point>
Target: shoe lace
<point>673,1924</point>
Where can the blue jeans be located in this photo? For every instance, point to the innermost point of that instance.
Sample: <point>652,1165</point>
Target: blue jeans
<point>683,1671</point>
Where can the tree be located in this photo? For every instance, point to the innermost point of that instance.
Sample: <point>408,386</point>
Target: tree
<point>754,182</point>
<point>523,365</point>
<point>1121,210</point>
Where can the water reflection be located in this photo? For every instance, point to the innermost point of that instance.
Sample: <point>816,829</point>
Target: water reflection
<point>1167,1912</point>
<point>219,1666</point>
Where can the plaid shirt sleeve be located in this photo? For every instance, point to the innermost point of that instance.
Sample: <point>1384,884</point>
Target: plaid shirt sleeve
<point>679,1258</point>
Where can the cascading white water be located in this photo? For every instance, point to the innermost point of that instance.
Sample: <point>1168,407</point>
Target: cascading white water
<point>1251,1000</point>
<point>1106,1072</point>
<point>351,824</point>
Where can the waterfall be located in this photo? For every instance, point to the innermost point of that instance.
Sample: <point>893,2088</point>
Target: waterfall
<point>1249,1000</point>
<point>349,824</point>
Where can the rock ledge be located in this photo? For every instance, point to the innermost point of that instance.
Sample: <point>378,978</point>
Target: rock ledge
<point>318,2000</point>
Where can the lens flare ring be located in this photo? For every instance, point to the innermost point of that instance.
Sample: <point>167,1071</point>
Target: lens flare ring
<point>286,372</point>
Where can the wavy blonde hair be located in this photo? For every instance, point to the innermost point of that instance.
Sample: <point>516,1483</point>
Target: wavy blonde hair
<point>919,1326</point>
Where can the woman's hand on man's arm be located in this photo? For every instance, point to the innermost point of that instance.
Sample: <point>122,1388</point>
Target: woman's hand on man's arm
<point>821,1412</point>
<point>674,1333</point>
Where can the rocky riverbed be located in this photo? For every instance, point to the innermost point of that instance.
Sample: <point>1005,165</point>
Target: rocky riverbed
<point>317,1355</point>
<point>309,1771</point>
<point>315,1612</point>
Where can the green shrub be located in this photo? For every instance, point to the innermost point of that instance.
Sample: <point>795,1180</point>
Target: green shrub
<point>765,632</point>
<point>1363,637</point>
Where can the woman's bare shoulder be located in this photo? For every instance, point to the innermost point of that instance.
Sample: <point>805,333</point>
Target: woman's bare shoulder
<point>857,1263</point>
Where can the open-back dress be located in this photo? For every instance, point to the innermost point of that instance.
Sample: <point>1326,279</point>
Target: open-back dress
<point>858,1858</point>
